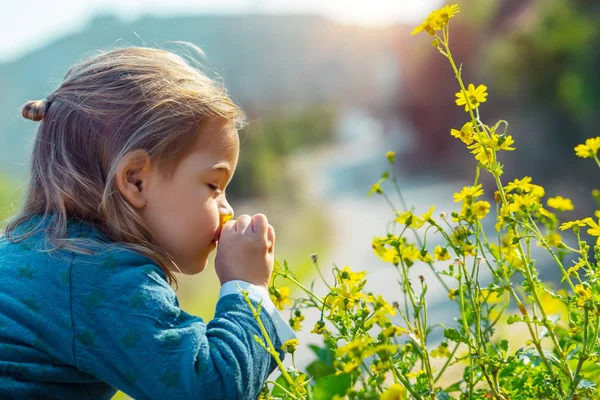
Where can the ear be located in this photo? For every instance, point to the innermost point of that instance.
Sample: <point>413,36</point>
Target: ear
<point>132,177</point>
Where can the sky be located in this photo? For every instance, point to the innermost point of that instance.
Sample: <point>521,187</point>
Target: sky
<point>23,29</point>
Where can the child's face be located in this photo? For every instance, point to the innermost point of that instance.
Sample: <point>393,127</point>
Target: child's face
<point>184,212</point>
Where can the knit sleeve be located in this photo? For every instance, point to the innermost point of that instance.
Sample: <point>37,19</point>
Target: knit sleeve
<point>129,332</point>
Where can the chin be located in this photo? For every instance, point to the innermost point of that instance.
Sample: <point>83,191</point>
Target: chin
<point>197,269</point>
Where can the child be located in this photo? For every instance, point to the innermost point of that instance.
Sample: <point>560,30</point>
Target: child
<point>128,177</point>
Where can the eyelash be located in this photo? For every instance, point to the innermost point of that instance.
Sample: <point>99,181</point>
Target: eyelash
<point>213,187</point>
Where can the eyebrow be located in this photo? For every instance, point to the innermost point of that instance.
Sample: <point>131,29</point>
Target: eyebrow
<point>221,167</point>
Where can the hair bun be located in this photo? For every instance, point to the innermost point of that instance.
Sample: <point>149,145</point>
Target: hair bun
<point>35,110</point>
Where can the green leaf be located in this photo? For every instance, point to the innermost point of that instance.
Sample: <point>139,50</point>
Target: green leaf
<point>318,369</point>
<point>455,387</point>
<point>504,345</point>
<point>443,396</point>
<point>277,390</point>
<point>327,387</point>
<point>454,335</point>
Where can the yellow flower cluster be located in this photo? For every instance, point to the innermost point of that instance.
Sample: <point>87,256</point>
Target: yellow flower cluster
<point>394,249</point>
<point>280,296</point>
<point>296,321</point>
<point>411,220</point>
<point>471,210</point>
<point>345,296</point>
<point>589,149</point>
<point>584,293</point>
<point>437,19</point>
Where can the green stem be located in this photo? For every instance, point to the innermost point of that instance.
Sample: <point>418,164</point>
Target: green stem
<point>439,375</point>
<point>270,347</point>
<point>282,388</point>
<point>582,356</point>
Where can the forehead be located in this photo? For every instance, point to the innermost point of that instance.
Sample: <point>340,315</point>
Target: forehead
<point>218,142</point>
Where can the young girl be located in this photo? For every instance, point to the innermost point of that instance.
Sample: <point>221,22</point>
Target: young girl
<point>128,177</point>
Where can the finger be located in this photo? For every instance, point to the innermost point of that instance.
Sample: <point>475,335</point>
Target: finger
<point>271,237</point>
<point>259,225</point>
<point>242,223</point>
<point>227,228</point>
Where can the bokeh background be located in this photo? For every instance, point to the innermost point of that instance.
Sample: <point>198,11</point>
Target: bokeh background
<point>329,88</point>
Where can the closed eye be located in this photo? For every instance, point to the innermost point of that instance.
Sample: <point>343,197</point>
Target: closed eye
<point>213,187</point>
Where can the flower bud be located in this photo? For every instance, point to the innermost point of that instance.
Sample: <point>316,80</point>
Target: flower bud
<point>391,156</point>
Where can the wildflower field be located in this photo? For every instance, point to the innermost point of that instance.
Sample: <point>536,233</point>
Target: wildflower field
<point>376,349</point>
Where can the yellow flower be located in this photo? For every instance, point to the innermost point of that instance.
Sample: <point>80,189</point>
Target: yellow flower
<point>584,294</point>
<point>437,19</point>
<point>393,331</point>
<point>344,297</point>
<point>441,351</point>
<point>349,366</point>
<point>351,277</point>
<point>572,224</point>
<point>452,294</point>
<point>226,218</point>
<point>448,12</point>
<point>290,346</point>
<point>441,254</point>
<point>480,209</point>
<point>561,204</point>
<point>546,213</point>
<point>380,304</point>
<point>296,321</point>
<point>411,220</point>
<point>519,184</point>
<point>465,134</point>
<point>489,296</point>
<point>520,202</point>
<point>408,218</point>
<point>468,193</point>
<point>425,217</point>
<point>472,97</point>
<point>468,249</point>
<point>354,347</point>
<point>554,239</point>
<point>376,188</point>
<point>425,257</point>
<point>385,254</point>
<point>594,230</point>
<point>320,329</point>
<point>379,317</point>
<point>391,156</point>
<point>280,296</point>
<point>573,270</point>
<point>394,392</point>
<point>415,374</point>
<point>409,253</point>
<point>589,149</point>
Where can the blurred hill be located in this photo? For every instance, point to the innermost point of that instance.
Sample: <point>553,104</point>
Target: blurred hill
<point>264,60</point>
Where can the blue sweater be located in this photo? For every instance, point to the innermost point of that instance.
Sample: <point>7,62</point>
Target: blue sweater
<point>78,326</point>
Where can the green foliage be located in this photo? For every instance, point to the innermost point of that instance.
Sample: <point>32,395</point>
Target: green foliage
<point>265,144</point>
<point>393,358</point>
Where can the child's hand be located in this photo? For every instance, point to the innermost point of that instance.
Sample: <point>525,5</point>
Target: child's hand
<point>246,250</point>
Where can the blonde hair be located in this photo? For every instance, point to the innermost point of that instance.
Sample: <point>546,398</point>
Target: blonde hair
<point>108,105</point>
